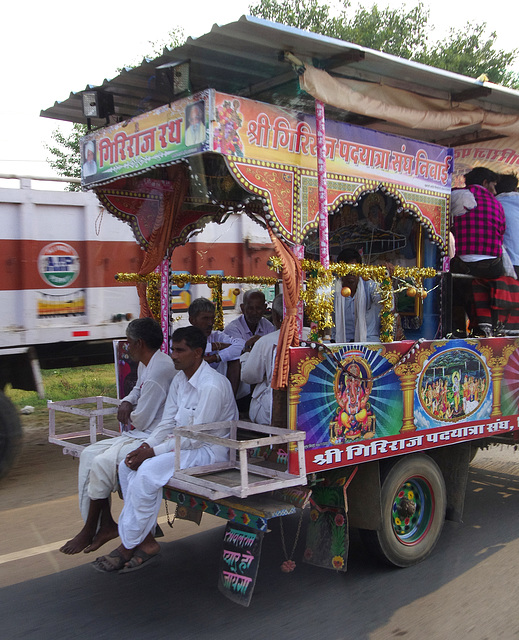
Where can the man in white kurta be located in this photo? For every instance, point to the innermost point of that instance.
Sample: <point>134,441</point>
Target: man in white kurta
<point>249,327</point>
<point>258,367</point>
<point>357,316</point>
<point>198,395</point>
<point>222,350</point>
<point>140,412</point>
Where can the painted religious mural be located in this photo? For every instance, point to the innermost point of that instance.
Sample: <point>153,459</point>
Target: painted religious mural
<point>364,402</point>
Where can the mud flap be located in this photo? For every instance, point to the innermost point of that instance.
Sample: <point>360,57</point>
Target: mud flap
<point>239,563</point>
<point>327,537</point>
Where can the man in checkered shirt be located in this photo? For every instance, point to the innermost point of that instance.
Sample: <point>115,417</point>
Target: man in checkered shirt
<point>478,228</point>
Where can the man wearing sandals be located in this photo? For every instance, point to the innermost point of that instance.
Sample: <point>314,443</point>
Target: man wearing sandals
<point>197,395</point>
<point>139,412</point>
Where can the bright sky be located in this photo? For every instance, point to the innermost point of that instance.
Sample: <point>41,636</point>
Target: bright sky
<point>49,49</point>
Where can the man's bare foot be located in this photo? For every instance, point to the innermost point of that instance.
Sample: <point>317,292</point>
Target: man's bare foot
<point>78,543</point>
<point>104,535</point>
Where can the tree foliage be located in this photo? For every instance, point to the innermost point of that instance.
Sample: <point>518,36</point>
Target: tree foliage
<point>66,160</point>
<point>401,32</point>
<point>66,157</point>
<point>471,52</point>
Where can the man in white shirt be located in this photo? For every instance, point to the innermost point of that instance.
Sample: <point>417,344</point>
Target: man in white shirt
<point>259,366</point>
<point>508,196</point>
<point>357,316</point>
<point>196,131</point>
<point>251,325</point>
<point>140,412</point>
<point>223,350</point>
<point>198,395</point>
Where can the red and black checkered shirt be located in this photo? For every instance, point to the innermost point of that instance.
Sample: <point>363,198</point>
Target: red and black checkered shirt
<point>480,230</point>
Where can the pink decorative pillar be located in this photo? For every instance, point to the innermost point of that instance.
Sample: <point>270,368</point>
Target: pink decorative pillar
<point>324,249</point>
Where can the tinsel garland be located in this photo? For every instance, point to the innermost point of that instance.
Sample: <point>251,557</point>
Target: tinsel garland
<point>152,281</point>
<point>317,296</point>
<point>214,282</point>
<point>319,292</point>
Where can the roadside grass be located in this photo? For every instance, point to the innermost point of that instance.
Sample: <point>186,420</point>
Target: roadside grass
<point>67,384</point>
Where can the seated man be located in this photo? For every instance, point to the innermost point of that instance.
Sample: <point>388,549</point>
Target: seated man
<point>249,327</point>
<point>198,395</point>
<point>357,316</point>
<point>140,412</point>
<point>259,366</point>
<point>222,351</point>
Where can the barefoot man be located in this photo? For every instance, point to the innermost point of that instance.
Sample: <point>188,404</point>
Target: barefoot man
<point>197,395</point>
<point>140,412</point>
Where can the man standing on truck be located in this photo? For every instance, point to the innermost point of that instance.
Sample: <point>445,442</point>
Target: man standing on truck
<point>198,395</point>
<point>478,230</point>
<point>140,412</point>
<point>357,315</point>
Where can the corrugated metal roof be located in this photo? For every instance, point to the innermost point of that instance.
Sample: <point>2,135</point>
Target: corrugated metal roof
<point>245,58</point>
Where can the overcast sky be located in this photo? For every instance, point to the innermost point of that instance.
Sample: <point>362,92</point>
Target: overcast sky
<point>49,49</point>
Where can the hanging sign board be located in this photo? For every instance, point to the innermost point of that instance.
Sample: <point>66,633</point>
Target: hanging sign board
<point>240,561</point>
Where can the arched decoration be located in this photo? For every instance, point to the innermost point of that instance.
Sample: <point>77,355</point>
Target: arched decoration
<point>427,207</point>
<point>278,184</point>
<point>140,202</point>
<point>291,195</point>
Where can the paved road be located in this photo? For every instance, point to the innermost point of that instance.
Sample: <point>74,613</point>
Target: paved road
<point>468,589</point>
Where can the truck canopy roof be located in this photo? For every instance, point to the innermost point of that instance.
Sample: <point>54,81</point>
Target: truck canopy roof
<point>247,58</point>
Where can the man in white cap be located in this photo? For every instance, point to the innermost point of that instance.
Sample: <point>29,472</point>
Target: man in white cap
<point>89,166</point>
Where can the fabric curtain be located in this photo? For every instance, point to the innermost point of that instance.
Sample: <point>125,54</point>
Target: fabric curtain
<point>162,233</point>
<point>390,104</point>
<point>288,335</point>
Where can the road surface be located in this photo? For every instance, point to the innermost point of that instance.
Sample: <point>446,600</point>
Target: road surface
<point>467,590</point>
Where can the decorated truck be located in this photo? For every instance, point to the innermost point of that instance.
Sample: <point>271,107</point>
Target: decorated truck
<point>373,435</point>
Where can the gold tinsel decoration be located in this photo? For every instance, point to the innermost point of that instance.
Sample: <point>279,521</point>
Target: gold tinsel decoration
<point>319,291</point>
<point>152,281</point>
<point>215,283</point>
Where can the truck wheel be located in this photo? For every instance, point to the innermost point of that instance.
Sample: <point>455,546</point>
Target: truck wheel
<point>413,498</point>
<point>10,434</point>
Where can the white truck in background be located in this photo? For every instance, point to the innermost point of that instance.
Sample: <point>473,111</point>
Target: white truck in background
<point>60,304</point>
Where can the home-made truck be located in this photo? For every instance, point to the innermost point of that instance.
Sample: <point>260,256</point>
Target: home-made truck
<point>372,435</point>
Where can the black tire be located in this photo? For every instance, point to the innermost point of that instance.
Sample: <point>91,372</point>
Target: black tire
<point>413,497</point>
<point>10,434</point>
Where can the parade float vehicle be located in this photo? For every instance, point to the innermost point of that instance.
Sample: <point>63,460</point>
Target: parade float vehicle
<point>372,435</point>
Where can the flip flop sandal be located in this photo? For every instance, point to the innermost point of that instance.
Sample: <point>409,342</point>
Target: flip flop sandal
<point>134,565</point>
<point>110,563</point>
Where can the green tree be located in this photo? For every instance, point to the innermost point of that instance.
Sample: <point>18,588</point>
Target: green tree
<point>397,31</point>
<point>310,15</point>
<point>66,160</point>
<point>471,52</point>
<point>66,157</point>
<point>401,32</point>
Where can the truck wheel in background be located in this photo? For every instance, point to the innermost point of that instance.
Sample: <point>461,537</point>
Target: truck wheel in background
<point>10,434</point>
<point>413,498</point>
